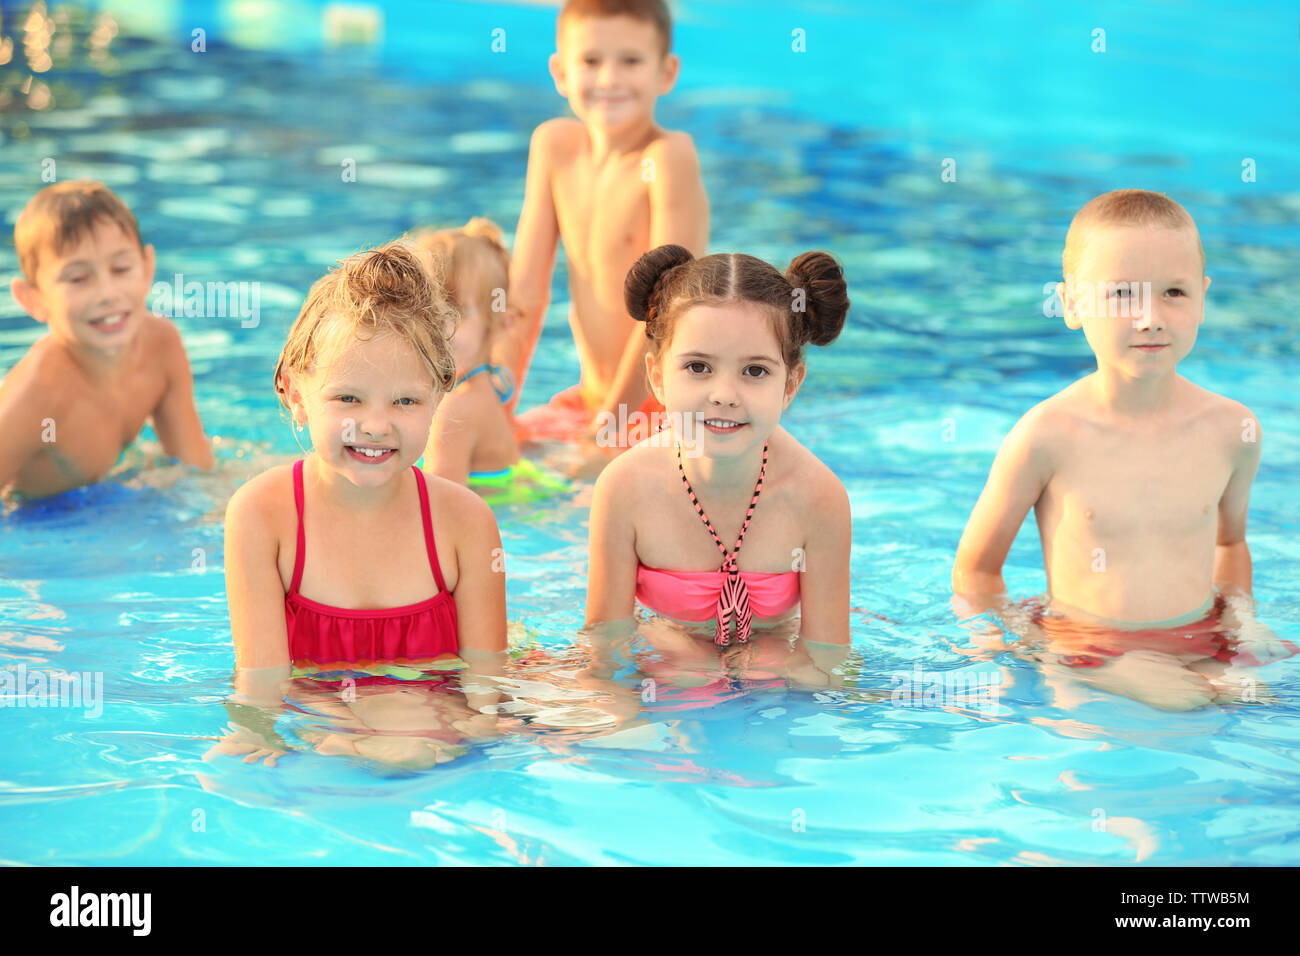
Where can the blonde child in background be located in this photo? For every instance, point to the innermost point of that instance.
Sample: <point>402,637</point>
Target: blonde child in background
<point>83,392</point>
<point>612,185</point>
<point>726,336</point>
<point>471,432</point>
<point>473,440</point>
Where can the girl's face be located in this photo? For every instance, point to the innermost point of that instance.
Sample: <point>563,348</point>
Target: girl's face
<point>369,411</point>
<point>722,376</point>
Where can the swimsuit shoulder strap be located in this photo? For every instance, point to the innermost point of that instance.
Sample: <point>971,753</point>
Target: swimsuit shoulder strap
<point>300,555</point>
<point>728,558</point>
<point>426,515</point>
<point>504,391</point>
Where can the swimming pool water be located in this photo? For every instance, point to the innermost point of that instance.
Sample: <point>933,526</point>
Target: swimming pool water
<point>231,162</point>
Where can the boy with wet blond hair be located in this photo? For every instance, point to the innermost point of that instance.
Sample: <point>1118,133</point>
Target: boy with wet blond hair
<point>612,185</point>
<point>83,392</point>
<point>1139,480</point>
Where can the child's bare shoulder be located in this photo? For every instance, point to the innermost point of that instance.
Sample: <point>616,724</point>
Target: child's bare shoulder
<point>556,139</point>
<point>804,477</point>
<point>263,501</point>
<point>40,380</point>
<point>162,338</point>
<point>462,510</point>
<point>633,473</point>
<point>672,145</point>
<point>1227,416</point>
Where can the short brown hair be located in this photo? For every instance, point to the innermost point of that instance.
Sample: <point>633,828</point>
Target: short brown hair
<point>649,11</point>
<point>809,303</point>
<point>61,214</point>
<point>1125,207</point>
<point>383,290</point>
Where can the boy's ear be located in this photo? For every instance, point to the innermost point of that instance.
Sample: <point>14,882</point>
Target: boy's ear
<point>29,297</point>
<point>668,73</point>
<point>1067,306</point>
<point>150,265</point>
<point>557,74</point>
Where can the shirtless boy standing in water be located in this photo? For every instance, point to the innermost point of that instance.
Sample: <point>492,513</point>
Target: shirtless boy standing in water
<point>1139,479</point>
<point>613,185</point>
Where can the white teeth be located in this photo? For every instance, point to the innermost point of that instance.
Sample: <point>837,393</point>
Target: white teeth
<point>721,423</point>
<point>371,452</point>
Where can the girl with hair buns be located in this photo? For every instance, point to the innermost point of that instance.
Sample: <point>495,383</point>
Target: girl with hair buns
<point>723,519</point>
<point>351,555</point>
<point>472,440</point>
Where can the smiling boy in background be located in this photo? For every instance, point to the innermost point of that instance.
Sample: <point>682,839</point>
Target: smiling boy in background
<point>612,185</point>
<point>83,392</point>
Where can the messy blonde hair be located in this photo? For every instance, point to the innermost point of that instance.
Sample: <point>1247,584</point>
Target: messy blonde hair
<point>383,291</point>
<point>1125,207</point>
<point>58,217</point>
<point>472,264</point>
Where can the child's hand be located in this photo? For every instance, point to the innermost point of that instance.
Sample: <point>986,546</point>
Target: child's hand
<point>1154,679</point>
<point>254,747</point>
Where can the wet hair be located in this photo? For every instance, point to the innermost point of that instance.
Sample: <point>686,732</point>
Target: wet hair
<point>808,303</point>
<point>383,291</point>
<point>654,12</point>
<point>1125,207</point>
<point>58,216</point>
<point>472,264</point>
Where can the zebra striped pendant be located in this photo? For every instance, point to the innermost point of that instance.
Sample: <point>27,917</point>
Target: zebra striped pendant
<point>733,601</point>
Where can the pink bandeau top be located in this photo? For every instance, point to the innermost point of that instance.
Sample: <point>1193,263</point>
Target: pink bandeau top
<point>321,634</point>
<point>693,595</point>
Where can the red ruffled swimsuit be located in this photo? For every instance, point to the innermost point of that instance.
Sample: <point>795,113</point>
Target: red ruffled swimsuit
<point>324,635</point>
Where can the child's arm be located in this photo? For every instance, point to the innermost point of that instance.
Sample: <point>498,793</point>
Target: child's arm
<point>533,259</point>
<point>1019,474</point>
<point>451,441</point>
<point>679,215</point>
<point>612,561</point>
<point>824,584</point>
<point>254,589</point>
<point>21,417</point>
<point>480,591</point>
<point>1232,567</point>
<point>176,420</point>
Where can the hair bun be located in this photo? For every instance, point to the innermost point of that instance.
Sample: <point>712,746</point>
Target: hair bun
<point>645,275</point>
<point>826,295</point>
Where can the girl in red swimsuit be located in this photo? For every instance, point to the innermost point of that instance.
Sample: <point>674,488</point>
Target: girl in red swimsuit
<point>669,517</point>
<point>352,556</point>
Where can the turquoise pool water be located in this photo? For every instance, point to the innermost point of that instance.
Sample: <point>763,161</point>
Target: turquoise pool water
<point>231,161</point>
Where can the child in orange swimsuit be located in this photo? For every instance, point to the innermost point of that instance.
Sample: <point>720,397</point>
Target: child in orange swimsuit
<point>726,358</point>
<point>351,555</point>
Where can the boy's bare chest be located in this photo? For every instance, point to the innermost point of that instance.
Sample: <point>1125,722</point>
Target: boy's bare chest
<point>83,443</point>
<point>1165,485</point>
<point>603,209</point>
